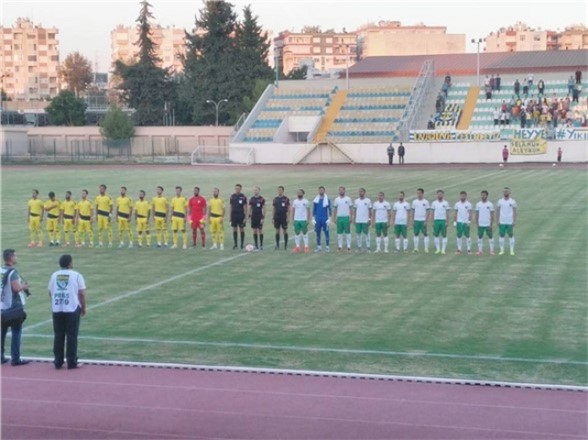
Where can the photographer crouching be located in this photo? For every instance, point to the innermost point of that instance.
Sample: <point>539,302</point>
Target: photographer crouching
<point>12,301</point>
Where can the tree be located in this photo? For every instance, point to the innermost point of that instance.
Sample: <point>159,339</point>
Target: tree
<point>76,72</point>
<point>117,125</point>
<point>144,85</point>
<point>297,73</point>
<point>66,109</point>
<point>250,100</point>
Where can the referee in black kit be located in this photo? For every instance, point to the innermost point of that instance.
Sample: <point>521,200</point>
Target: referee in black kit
<point>257,216</point>
<point>238,204</point>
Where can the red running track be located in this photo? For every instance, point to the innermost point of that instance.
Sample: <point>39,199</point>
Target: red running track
<point>131,402</point>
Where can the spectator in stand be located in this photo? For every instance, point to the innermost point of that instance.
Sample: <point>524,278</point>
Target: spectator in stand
<point>488,90</point>
<point>541,87</point>
<point>431,123</point>
<point>578,77</point>
<point>448,79</point>
<point>517,87</point>
<point>571,83</point>
<point>503,106</point>
<point>559,154</point>
<point>569,118</point>
<point>496,116</point>
<point>492,83</point>
<point>526,89</point>
<point>576,93</point>
<point>401,152</point>
<point>445,88</point>
<point>497,81</point>
<point>523,118</point>
<point>505,155</point>
<point>390,152</point>
<point>503,118</point>
<point>486,81</point>
<point>530,80</point>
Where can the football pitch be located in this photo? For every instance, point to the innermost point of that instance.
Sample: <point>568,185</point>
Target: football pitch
<point>520,318</point>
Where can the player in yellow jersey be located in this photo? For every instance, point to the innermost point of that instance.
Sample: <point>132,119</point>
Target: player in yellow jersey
<point>142,213</point>
<point>84,220</point>
<point>216,218</point>
<point>103,205</point>
<point>124,212</point>
<point>52,207</point>
<point>179,207</point>
<point>160,208</point>
<point>68,213</point>
<point>35,218</point>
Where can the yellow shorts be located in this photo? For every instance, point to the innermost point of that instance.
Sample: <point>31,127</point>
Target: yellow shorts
<point>142,225</point>
<point>178,224</point>
<point>103,222</point>
<point>53,224</point>
<point>160,223</point>
<point>34,223</point>
<point>216,224</point>
<point>84,226</point>
<point>124,224</point>
<point>68,225</point>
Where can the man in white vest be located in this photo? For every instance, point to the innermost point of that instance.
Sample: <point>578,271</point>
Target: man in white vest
<point>68,301</point>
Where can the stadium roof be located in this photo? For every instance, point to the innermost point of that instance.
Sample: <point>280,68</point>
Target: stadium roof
<point>465,64</point>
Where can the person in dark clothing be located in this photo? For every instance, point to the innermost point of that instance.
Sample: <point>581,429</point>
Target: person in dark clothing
<point>281,211</point>
<point>517,87</point>
<point>390,152</point>
<point>238,202</point>
<point>497,80</point>
<point>541,87</point>
<point>401,152</point>
<point>578,77</point>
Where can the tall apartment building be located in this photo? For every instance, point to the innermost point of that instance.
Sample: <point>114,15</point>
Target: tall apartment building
<point>573,37</point>
<point>325,50</point>
<point>169,42</point>
<point>522,38</point>
<point>29,61</point>
<point>388,38</point>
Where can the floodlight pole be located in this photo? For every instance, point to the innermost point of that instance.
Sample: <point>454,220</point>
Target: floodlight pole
<point>216,106</point>
<point>478,42</point>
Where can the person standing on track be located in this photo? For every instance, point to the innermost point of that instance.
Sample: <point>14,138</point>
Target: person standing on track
<point>257,216</point>
<point>281,209</point>
<point>238,203</point>
<point>35,210</point>
<point>216,218</point>
<point>401,152</point>
<point>321,213</point>
<point>67,293</point>
<point>197,216</point>
<point>505,155</point>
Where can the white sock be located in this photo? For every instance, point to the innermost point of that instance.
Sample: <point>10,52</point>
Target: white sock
<point>297,240</point>
<point>405,242</point>
<point>340,240</point>
<point>444,244</point>
<point>512,244</point>
<point>386,241</point>
<point>469,243</point>
<point>437,243</point>
<point>358,239</point>
<point>491,243</point>
<point>305,237</point>
<point>480,244</point>
<point>458,241</point>
<point>416,241</point>
<point>397,243</point>
<point>348,236</point>
<point>368,241</point>
<point>378,243</point>
<point>501,243</point>
<point>427,242</point>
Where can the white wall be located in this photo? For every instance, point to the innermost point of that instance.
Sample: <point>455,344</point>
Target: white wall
<point>416,153</point>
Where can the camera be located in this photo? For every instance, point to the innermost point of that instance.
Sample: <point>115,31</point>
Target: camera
<point>27,292</point>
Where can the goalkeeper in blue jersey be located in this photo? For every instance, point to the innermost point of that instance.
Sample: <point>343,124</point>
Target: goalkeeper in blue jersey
<point>321,215</point>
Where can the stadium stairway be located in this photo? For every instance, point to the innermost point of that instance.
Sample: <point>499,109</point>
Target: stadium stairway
<point>330,116</point>
<point>469,108</point>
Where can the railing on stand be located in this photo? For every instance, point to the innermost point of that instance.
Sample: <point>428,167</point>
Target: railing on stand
<point>422,87</point>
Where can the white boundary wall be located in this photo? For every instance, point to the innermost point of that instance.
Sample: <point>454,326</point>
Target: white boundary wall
<point>416,153</point>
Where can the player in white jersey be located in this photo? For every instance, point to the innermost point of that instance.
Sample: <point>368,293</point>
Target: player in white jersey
<point>463,219</point>
<point>381,219</point>
<point>440,208</point>
<point>485,220</point>
<point>420,215</point>
<point>300,218</point>
<point>506,213</point>
<point>342,218</point>
<point>400,211</point>
<point>362,217</point>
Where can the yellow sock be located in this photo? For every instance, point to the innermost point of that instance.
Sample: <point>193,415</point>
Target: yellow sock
<point>184,239</point>
<point>32,236</point>
<point>165,236</point>
<point>91,236</point>
<point>221,237</point>
<point>175,238</point>
<point>130,235</point>
<point>109,232</point>
<point>148,238</point>
<point>158,235</point>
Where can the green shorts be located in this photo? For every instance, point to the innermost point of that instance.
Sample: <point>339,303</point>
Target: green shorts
<point>343,225</point>
<point>300,226</point>
<point>440,228</point>
<point>463,229</point>
<point>400,230</point>
<point>420,226</point>
<point>484,230</point>
<point>381,229</point>
<point>504,230</point>
<point>362,228</point>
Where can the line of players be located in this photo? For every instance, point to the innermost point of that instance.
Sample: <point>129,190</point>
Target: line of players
<point>77,218</point>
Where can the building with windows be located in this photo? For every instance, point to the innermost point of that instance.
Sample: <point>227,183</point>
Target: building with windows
<point>29,61</point>
<point>389,38</point>
<point>523,38</point>
<point>326,51</point>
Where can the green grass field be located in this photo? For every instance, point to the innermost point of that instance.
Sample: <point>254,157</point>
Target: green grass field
<point>519,318</point>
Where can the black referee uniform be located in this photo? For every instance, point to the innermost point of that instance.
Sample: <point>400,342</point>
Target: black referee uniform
<point>256,204</point>
<point>281,207</point>
<point>238,204</point>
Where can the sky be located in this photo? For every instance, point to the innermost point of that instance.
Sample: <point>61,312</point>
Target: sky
<point>85,26</point>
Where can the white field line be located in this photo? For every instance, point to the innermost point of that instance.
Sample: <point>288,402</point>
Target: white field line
<point>148,287</point>
<point>318,373</point>
<point>297,348</point>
